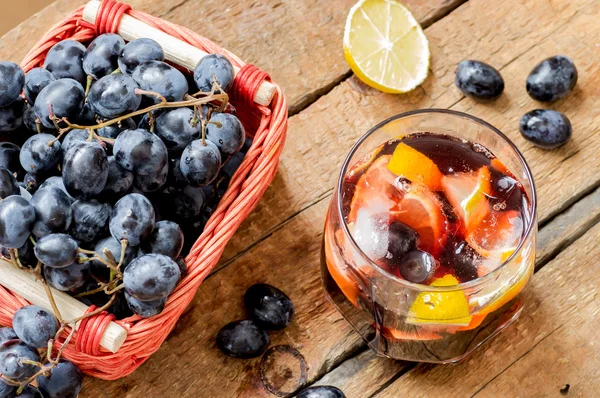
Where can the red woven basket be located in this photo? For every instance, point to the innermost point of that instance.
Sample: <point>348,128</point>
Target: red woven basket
<point>267,126</point>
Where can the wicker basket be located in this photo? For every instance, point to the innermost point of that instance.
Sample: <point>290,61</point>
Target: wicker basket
<point>268,127</point>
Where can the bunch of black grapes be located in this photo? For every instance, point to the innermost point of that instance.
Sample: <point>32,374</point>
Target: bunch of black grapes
<point>108,158</point>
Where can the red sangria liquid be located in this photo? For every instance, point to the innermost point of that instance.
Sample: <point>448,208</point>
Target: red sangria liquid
<point>424,219</point>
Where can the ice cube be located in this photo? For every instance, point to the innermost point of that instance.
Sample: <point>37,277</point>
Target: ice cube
<point>371,230</point>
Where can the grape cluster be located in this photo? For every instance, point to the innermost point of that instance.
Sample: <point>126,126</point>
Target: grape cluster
<point>22,359</point>
<point>109,156</point>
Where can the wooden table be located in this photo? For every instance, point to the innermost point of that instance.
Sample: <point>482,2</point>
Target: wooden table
<point>553,344</point>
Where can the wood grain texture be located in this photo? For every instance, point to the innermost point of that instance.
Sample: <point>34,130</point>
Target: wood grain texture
<point>321,136</point>
<point>553,342</point>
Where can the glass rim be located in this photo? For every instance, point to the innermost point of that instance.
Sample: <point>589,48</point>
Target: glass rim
<point>418,286</point>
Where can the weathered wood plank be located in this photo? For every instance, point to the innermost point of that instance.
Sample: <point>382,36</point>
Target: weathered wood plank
<point>556,332</point>
<point>365,374</point>
<point>321,136</point>
<point>298,42</point>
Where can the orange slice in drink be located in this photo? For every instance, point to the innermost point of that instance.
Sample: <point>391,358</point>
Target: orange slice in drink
<point>334,260</point>
<point>496,238</point>
<point>411,164</point>
<point>376,185</point>
<point>421,210</point>
<point>418,335</point>
<point>467,193</point>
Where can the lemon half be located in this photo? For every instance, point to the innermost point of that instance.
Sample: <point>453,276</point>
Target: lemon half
<point>385,46</point>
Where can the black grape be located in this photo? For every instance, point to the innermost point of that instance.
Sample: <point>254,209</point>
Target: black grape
<point>11,354</point>
<point>227,132</point>
<point>138,51</point>
<point>85,170</point>
<point>73,137</point>
<point>151,277</point>
<point>177,128</point>
<point>11,116</point>
<point>68,278</point>
<point>36,155</point>
<point>115,129</point>
<point>118,182</point>
<point>90,220</point>
<point>64,96</point>
<point>56,250</point>
<point>16,221</point>
<point>52,211</point>
<point>161,78</point>
<point>64,381</point>
<point>101,56</point>
<point>211,66</point>
<point>166,239</point>
<point>151,182</point>
<point>8,184</point>
<point>113,96</point>
<point>145,309</point>
<point>200,162</point>
<point>100,270</point>
<point>35,325</point>
<point>65,60</point>
<point>140,151</point>
<point>35,80</point>
<point>132,218</point>
<point>12,79</point>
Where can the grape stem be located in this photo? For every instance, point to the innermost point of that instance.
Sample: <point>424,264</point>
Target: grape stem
<point>205,98</point>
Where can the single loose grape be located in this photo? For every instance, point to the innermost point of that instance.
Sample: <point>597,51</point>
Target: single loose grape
<point>479,80</point>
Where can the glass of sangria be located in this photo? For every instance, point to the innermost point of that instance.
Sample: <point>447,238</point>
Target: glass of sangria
<point>429,241</point>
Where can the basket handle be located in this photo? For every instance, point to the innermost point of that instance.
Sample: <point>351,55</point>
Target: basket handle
<point>176,51</point>
<point>25,285</point>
